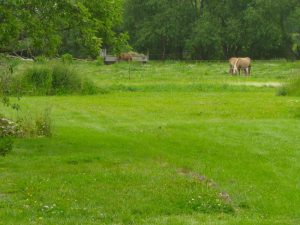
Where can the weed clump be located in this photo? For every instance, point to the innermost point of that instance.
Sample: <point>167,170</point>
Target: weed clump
<point>38,80</point>
<point>67,58</point>
<point>35,123</point>
<point>100,61</point>
<point>8,130</point>
<point>292,88</point>
<point>6,144</point>
<point>40,59</point>
<point>43,124</point>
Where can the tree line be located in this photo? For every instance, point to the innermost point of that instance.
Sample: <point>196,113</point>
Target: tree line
<point>177,29</point>
<point>214,29</point>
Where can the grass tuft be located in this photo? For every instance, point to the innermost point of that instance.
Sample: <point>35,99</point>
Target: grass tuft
<point>291,88</point>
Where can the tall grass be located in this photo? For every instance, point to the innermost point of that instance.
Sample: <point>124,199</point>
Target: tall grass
<point>8,130</point>
<point>292,87</point>
<point>35,123</point>
<point>55,79</point>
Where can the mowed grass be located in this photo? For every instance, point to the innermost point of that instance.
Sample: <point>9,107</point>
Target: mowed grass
<point>164,143</point>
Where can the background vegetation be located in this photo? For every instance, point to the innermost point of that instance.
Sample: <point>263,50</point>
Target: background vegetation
<point>212,29</point>
<point>177,29</point>
<point>37,27</point>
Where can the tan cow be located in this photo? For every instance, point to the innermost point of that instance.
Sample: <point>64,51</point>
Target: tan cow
<point>242,64</point>
<point>232,61</point>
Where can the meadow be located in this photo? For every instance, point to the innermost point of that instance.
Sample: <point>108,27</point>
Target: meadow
<point>165,143</point>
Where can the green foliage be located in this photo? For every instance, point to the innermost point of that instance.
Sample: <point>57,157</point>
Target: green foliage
<point>214,29</point>
<point>292,88</point>
<point>36,27</point>
<point>143,21</point>
<point>35,122</point>
<point>8,84</point>
<point>43,123</point>
<point>293,25</point>
<point>65,80</point>
<point>55,79</point>
<point>121,44</point>
<point>100,61</point>
<point>40,59</point>
<point>256,28</point>
<point>67,58</point>
<point>8,130</point>
<point>89,88</point>
<point>10,26</point>
<point>6,145</point>
<point>40,79</point>
<point>206,41</point>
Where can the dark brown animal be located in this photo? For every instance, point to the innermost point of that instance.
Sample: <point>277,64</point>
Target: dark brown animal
<point>125,57</point>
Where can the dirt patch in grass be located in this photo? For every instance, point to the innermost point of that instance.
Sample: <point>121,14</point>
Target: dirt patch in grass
<point>223,195</point>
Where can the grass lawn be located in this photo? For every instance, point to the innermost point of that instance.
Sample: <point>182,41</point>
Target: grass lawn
<point>164,143</point>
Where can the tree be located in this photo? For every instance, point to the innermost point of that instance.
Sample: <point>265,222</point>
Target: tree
<point>160,26</point>
<point>9,26</point>
<point>39,27</point>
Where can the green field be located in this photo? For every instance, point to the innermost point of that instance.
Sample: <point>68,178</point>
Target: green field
<point>164,143</point>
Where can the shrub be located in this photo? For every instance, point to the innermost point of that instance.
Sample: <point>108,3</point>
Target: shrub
<point>39,78</point>
<point>282,91</point>
<point>7,67</point>
<point>100,60</point>
<point>8,130</point>
<point>88,87</point>
<point>40,59</point>
<point>54,79</point>
<point>6,144</point>
<point>292,88</point>
<point>67,58</point>
<point>36,124</point>
<point>43,124</point>
<point>65,80</point>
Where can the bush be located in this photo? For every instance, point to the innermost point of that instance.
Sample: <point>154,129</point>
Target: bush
<point>292,88</point>
<point>43,124</point>
<point>100,61</point>
<point>55,79</point>
<point>88,88</point>
<point>40,59</point>
<point>8,130</point>
<point>67,58</point>
<point>35,124</point>
<point>7,80</point>
<point>65,80</point>
<point>6,144</point>
<point>282,91</point>
<point>40,79</point>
